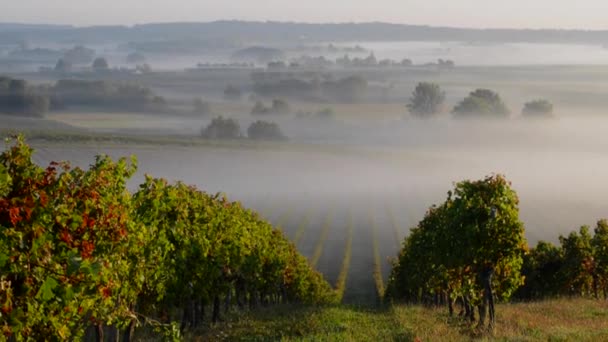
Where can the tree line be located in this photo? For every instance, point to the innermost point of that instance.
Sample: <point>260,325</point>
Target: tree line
<point>17,97</point>
<point>229,128</point>
<point>80,253</point>
<point>428,100</point>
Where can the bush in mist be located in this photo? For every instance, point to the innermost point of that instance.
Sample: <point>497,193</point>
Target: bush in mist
<point>63,66</point>
<point>100,64</point>
<point>201,107</point>
<point>538,109</point>
<point>427,100</point>
<point>136,58</point>
<point>481,103</point>
<point>232,93</point>
<point>278,107</point>
<point>221,128</point>
<point>264,130</point>
<point>17,98</point>
<point>79,55</point>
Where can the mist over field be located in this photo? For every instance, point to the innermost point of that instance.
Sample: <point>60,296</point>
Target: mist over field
<point>555,166</point>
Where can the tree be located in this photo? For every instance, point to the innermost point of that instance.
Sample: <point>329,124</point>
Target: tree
<point>280,106</point>
<point>427,100</point>
<point>221,128</point>
<point>263,130</point>
<point>201,107</point>
<point>579,263</point>
<point>232,93</point>
<point>100,64</point>
<point>136,58</point>
<point>600,255</point>
<point>63,66</point>
<point>481,103</point>
<point>79,55</point>
<point>538,109</point>
<point>470,247</point>
<point>542,270</point>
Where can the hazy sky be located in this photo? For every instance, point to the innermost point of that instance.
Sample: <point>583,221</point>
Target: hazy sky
<point>587,14</point>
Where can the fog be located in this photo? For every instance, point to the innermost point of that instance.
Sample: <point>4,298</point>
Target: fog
<point>555,166</point>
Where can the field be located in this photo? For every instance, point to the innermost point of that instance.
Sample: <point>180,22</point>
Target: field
<point>556,320</point>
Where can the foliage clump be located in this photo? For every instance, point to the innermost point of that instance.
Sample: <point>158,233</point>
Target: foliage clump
<point>481,103</point>
<point>222,128</point>
<point>470,248</point>
<point>264,130</point>
<point>538,109</point>
<point>426,101</point>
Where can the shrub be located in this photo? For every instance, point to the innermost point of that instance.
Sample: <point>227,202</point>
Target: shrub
<point>221,128</point>
<point>263,130</point>
<point>232,93</point>
<point>538,108</point>
<point>481,103</point>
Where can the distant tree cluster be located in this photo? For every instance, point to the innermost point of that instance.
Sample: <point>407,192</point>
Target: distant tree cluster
<point>427,100</point>
<point>106,95</point>
<point>18,98</point>
<point>264,130</point>
<point>222,128</point>
<point>278,107</point>
<point>350,89</point>
<point>346,62</point>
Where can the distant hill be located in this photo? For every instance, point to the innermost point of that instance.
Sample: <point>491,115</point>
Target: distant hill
<point>265,32</point>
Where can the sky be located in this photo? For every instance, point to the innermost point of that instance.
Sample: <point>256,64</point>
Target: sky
<point>582,14</point>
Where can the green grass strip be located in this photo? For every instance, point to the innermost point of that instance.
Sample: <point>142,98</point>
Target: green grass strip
<point>343,276</point>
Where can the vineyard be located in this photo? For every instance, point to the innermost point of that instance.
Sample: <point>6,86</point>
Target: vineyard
<point>103,251</point>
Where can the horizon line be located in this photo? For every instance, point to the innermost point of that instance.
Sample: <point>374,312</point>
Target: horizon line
<point>337,23</point>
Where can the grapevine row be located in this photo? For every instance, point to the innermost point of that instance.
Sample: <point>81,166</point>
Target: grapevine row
<point>322,238</point>
<point>342,277</point>
<point>394,225</point>
<point>78,250</point>
<point>378,278</point>
<point>301,229</point>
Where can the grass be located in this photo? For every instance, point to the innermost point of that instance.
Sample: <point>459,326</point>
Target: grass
<point>555,320</point>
